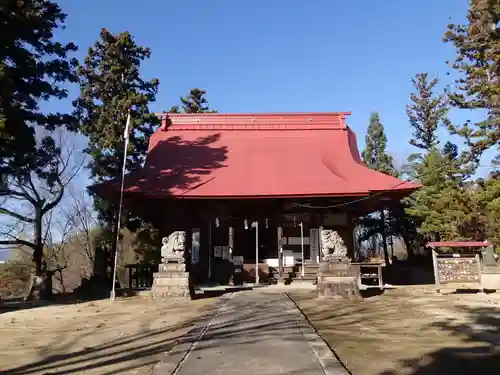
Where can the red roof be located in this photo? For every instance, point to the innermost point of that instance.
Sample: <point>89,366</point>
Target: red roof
<point>257,155</point>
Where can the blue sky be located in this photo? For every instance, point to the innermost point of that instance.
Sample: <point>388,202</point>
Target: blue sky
<point>284,55</point>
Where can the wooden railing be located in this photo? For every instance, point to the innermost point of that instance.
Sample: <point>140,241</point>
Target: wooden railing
<point>140,276</point>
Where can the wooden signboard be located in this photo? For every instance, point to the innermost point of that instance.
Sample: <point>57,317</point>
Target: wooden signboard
<point>314,244</point>
<point>456,268</point>
<point>195,246</point>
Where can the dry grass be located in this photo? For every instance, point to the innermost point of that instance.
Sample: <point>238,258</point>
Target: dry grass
<point>124,337</point>
<point>404,332</point>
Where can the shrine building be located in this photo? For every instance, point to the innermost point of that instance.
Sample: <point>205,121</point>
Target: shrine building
<point>247,186</point>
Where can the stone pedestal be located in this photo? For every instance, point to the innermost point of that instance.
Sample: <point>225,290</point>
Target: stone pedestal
<point>337,278</point>
<point>171,280</point>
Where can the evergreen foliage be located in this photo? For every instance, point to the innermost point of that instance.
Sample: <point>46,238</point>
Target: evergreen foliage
<point>34,68</point>
<point>111,88</point>
<point>195,102</point>
<point>441,207</point>
<point>426,112</point>
<point>375,155</point>
<point>477,62</point>
<point>485,195</point>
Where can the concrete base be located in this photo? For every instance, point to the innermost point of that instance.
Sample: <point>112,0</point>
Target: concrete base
<point>172,280</point>
<point>491,270</point>
<point>339,287</point>
<point>491,281</point>
<point>337,278</point>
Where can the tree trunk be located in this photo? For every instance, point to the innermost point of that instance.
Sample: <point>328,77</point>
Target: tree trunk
<point>41,288</point>
<point>61,277</point>
<point>409,245</point>
<point>384,239</point>
<point>104,247</point>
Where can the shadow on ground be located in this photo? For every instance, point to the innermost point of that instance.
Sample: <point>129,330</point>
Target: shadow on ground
<point>19,303</point>
<point>391,335</point>
<point>149,343</point>
<point>482,357</point>
<point>410,273</point>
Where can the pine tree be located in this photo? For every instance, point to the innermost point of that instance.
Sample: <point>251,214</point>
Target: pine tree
<point>485,195</point>
<point>195,102</point>
<point>174,109</point>
<point>426,112</point>
<point>478,64</point>
<point>33,68</point>
<point>112,87</point>
<point>442,206</point>
<point>375,155</point>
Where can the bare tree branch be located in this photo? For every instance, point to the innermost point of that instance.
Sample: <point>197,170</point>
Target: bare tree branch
<point>4,211</point>
<point>83,220</point>
<point>9,192</point>
<point>42,190</point>
<point>16,241</point>
<point>59,195</point>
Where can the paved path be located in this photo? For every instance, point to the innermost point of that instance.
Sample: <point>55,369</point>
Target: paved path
<point>254,332</point>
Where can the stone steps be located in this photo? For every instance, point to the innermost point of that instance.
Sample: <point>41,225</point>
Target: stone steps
<point>291,273</point>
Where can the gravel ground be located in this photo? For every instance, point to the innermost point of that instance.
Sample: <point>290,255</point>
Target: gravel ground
<point>101,337</point>
<point>410,332</point>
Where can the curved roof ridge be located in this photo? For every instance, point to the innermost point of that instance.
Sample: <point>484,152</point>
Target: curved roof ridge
<point>253,121</point>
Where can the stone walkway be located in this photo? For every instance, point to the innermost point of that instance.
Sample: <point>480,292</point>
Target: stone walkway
<point>253,332</point>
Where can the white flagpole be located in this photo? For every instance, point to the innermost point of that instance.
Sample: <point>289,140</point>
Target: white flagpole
<point>112,296</point>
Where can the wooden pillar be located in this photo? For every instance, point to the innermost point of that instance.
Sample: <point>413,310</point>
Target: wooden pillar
<point>320,243</point>
<point>230,242</point>
<point>384,238</point>
<point>209,248</point>
<point>280,250</point>
<point>314,249</point>
<point>355,247</point>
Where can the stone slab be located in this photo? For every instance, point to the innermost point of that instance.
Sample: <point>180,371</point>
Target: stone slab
<point>166,267</point>
<point>338,279</point>
<point>171,274</point>
<point>161,281</point>
<point>157,294</point>
<point>173,287</point>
